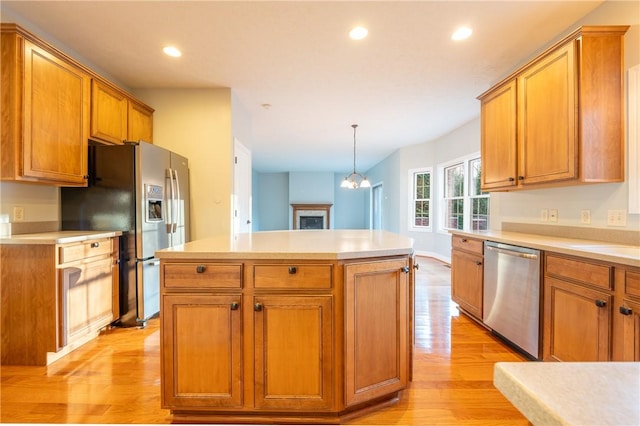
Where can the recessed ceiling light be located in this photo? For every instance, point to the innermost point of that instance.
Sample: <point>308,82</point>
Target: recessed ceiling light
<point>172,51</point>
<point>358,33</point>
<point>461,33</point>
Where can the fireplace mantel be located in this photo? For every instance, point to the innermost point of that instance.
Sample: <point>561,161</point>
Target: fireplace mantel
<point>311,210</point>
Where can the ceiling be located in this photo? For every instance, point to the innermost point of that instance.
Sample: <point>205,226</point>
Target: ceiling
<point>406,83</point>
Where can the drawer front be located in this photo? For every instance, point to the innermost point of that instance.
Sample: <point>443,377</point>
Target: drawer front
<point>632,283</point>
<point>584,272</point>
<point>292,276</point>
<point>202,275</point>
<point>467,244</point>
<point>84,250</point>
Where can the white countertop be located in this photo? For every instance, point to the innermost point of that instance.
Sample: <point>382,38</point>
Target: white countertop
<point>298,244</point>
<point>58,237</point>
<point>599,250</point>
<point>572,393</point>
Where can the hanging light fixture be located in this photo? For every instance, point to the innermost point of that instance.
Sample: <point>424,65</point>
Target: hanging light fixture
<point>355,180</point>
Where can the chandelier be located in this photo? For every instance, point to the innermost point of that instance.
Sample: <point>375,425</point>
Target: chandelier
<point>355,180</point>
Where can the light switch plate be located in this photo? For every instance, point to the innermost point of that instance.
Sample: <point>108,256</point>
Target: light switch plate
<point>553,215</point>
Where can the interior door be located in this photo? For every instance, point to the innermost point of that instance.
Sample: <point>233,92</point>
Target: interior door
<point>376,206</point>
<point>241,188</point>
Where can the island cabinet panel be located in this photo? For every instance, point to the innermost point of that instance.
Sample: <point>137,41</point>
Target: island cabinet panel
<point>292,341</point>
<point>293,352</point>
<point>376,329</point>
<point>202,343</point>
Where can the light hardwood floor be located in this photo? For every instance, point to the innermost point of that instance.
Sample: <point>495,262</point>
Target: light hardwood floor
<point>116,378</point>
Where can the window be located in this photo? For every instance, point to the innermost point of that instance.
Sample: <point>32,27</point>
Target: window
<point>420,198</point>
<point>464,205</point>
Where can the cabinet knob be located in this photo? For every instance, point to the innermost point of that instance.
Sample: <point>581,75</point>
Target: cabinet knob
<point>511,179</point>
<point>234,306</point>
<point>405,269</point>
<point>601,303</point>
<point>257,307</point>
<point>464,240</point>
<point>94,245</point>
<point>478,263</point>
<point>200,269</point>
<point>416,266</point>
<point>625,311</point>
<point>520,177</point>
<point>293,269</point>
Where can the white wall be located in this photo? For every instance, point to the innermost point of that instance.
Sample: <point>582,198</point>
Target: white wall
<point>196,123</point>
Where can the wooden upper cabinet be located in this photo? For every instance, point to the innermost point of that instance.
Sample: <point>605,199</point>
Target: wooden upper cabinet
<point>140,122</point>
<point>116,117</point>
<point>559,119</point>
<point>45,114</point>
<point>108,113</point>
<point>498,140</point>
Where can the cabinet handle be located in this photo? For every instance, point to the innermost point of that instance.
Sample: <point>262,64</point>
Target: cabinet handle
<point>625,311</point>
<point>601,303</point>
<point>94,245</point>
<point>200,269</point>
<point>520,177</point>
<point>257,307</point>
<point>511,179</point>
<point>293,270</point>
<point>234,306</point>
<point>405,269</point>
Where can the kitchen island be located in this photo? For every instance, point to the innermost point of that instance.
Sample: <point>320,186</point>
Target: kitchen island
<point>285,326</point>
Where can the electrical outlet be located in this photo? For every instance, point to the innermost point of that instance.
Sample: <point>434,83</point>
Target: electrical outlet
<point>616,218</point>
<point>18,214</point>
<point>544,215</point>
<point>553,215</point>
<point>585,216</point>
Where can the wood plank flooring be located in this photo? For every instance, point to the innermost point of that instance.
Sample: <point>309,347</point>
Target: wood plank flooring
<point>116,379</point>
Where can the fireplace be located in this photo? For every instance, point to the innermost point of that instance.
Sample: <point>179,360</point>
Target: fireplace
<point>311,216</point>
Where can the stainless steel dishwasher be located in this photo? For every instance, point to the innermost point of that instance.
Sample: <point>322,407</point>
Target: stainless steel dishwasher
<point>511,302</point>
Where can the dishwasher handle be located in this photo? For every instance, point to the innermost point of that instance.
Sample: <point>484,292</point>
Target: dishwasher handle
<point>512,253</point>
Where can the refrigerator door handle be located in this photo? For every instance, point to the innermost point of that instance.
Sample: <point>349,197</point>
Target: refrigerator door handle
<point>176,200</point>
<point>169,201</point>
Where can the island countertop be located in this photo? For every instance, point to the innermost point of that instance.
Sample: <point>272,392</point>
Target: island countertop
<point>297,244</point>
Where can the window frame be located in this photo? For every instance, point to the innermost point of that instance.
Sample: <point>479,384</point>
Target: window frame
<point>412,178</point>
<point>467,197</point>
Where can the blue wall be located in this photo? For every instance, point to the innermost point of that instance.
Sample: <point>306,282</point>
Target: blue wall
<point>273,193</point>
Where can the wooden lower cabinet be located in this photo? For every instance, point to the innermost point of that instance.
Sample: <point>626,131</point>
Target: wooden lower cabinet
<point>202,347</point>
<point>55,298</point>
<point>577,322</point>
<point>467,274</point>
<point>283,341</point>
<point>627,315</point>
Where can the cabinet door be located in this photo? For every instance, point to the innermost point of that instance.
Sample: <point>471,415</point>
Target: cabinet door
<point>293,352</point>
<point>577,322</point>
<point>630,312</point>
<point>56,118</point>
<point>108,113</point>
<point>140,122</point>
<point>547,109</point>
<point>498,138</point>
<point>87,299</point>
<point>201,344</point>
<point>466,281</point>
<point>376,329</point>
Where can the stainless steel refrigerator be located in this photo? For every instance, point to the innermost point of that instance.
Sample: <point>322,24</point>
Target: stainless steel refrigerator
<point>142,190</point>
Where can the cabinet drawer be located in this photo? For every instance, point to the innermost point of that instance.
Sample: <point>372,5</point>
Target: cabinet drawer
<point>202,275</point>
<point>584,272</point>
<point>632,283</point>
<point>467,244</point>
<point>86,249</point>
<point>292,276</point>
